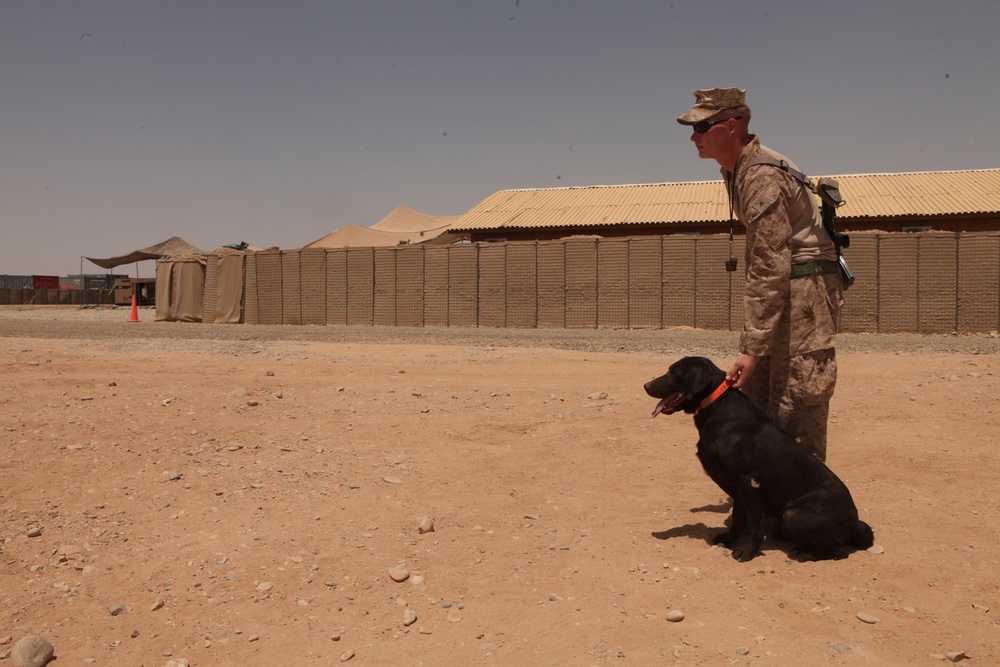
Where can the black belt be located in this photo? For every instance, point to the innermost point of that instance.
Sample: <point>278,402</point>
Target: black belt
<point>814,267</point>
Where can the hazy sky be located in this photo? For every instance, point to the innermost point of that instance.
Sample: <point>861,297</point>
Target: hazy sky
<point>123,123</point>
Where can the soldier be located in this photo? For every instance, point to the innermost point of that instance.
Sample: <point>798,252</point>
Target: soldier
<point>787,363</point>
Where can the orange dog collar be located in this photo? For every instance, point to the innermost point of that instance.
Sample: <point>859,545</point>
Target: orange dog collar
<point>711,398</point>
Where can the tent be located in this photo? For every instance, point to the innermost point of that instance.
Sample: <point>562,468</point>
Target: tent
<point>180,288</point>
<point>224,284</point>
<point>172,247</point>
<point>402,226</point>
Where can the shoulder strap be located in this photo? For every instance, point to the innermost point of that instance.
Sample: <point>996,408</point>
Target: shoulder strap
<point>827,189</point>
<point>784,166</point>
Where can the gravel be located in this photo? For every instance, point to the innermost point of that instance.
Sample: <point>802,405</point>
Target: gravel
<point>103,324</point>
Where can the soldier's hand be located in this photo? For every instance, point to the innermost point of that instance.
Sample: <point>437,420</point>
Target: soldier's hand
<point>742,370</point>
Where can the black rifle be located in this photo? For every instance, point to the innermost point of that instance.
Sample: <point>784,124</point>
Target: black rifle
<point>829,195</point>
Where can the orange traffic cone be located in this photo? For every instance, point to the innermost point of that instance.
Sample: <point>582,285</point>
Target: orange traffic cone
<point>134,317</point>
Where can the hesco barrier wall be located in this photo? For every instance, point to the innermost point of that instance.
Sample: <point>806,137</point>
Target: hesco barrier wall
<point>924,283</point>
<point>56,297</point>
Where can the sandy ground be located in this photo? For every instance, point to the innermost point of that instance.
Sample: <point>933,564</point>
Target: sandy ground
<point>244,492</point>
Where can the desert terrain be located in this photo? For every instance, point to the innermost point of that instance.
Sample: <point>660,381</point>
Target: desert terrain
<point>234,495</point>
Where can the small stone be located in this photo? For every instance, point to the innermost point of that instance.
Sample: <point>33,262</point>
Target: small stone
<point>253,404</point>
<point>335,637</point>
<point>876,549</point>
<point>156,605</point>
<point>399,574</point>
<point>176,475</point>
<point>253,638</point>
<point>866,618</point>
<point>675,615</point>
<point>346,655</point>
<point>454,615</point>
<point>264,586</point>
<point>409,617</point>
<point>531,517</point>
<point>598,396</point>
<point>178,662</point>
<point>555,597</point>
<point>417,580</point>
<point>955,656</point>
<point>426,525</point>
<point>32,651</point>
<point>117,608</point>
<point>392,480</point>
<point>742,651</point>
<point>34,531</point>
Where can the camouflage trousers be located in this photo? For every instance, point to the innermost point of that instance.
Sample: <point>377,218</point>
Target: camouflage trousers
<point>795,383</point>
<point>795,392</point>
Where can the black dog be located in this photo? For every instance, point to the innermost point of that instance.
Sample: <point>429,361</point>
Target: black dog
<point>761,467</point>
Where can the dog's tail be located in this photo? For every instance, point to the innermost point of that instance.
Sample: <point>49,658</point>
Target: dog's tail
<point>864,538</point>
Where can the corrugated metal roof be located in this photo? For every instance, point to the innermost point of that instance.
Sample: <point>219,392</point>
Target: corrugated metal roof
<point>867,196</point>
<point>919,194</point>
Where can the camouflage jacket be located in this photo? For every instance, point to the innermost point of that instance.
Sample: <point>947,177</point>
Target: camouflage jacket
<point>783,226</point>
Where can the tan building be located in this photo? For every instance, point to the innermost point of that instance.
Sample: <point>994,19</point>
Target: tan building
<point>956,201</point>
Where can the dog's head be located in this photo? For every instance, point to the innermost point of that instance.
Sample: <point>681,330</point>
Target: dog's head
<point>685,384</point>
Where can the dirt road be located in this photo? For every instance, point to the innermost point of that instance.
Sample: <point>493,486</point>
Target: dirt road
<point>248,494</point>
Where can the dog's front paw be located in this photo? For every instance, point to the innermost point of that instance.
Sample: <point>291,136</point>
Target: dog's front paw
<point>746,553</point>
<point>726,539</point>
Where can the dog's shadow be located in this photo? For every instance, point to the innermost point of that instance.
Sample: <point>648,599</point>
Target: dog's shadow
<point>720,508</point>
<point>699,531</point>
<point>696,530</point>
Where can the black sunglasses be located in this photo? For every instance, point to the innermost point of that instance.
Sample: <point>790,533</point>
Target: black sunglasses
<point>703,126</point>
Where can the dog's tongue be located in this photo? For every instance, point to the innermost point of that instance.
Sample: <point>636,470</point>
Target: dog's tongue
<point>668,403</point>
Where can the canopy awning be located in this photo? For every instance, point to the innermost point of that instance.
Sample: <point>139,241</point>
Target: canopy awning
<point>169,248</point>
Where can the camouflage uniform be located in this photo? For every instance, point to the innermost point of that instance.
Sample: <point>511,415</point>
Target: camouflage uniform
<point>790,322</point>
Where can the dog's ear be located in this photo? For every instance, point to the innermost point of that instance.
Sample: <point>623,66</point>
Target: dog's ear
<point>702,375</point>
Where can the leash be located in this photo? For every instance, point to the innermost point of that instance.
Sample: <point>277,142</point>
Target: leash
<point>711,398</point>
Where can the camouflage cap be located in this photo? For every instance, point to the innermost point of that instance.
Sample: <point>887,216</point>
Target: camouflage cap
<point>711,102</point>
